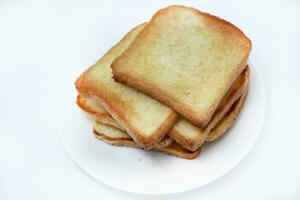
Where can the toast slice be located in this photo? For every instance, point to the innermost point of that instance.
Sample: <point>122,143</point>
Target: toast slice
<point>192,137</point>
<point>117,137</point>
<point>144,119</point>
<point>227,122</point>
<point>122,137</point>
<point>95,110</point>
<point>186,59</point>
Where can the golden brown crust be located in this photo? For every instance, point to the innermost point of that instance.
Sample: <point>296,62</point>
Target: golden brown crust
<point>228,121</point>
<point>234,93</point>
<point>117,142</point>
<point>236,89</point>
<point>118,109</point>
<point>176,150</point>
<point>159,95</point>
<point>198,119</point>
<point>146,143</point>
<point>186,142</point>
<point>173,149</point>
<point>103,117</point>
<point>82,103</point>
<point>212,21</point>
<point>165,142</point>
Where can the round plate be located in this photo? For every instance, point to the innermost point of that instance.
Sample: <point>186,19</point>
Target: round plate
<point>146,172</point>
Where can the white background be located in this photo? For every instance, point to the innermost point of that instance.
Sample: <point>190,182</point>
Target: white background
<point>38,40</point>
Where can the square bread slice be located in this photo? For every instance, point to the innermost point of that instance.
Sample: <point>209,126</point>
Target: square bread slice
<point>117,137</point>
<point>144,119</point>
<point>185,58</point>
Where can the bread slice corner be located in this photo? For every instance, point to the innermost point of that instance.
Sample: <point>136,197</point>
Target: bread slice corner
<point>145,119</point>
<point>192,137</point>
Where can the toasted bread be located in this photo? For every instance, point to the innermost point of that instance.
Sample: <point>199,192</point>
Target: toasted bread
<point>183,132</point>
<point>227,122</point>
<point>192,137</point>
<point>186,59</point>
<point>95,109</point>
<point>176,149</point>
<point>144,119</point>
<point>122,136</point>
<point>117,137</point>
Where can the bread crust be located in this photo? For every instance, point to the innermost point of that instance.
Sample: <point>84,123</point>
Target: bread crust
<point>234,93</point>
<point>117,142</point>
<point>146,143</point>
<point>228,121</point>
<point>118,109</point>
<point>200,120</point>
<point>120,135</point>
<point>173,149</point>
<point>103,117</point>
<point>192,144</point>
<point>176,150</point>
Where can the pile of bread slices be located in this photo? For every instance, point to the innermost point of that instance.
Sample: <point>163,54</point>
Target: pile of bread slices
<point>170,85</point>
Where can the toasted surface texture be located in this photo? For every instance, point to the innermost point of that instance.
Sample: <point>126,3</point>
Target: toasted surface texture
<point>192,137</point>
<point>228,121</point>
<point>187,135</point>
<point>117,137</point>
<point>113,134</point>
<point>94,109</point>
<point>144,119</point>
<point>186,59</point>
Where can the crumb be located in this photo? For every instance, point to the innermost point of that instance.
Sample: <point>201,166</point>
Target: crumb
<point>140,159</point>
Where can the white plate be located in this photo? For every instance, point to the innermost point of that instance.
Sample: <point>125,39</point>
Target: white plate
<point>147,172</point>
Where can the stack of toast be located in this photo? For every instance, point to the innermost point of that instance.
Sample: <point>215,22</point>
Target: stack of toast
<point>170,85</point>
